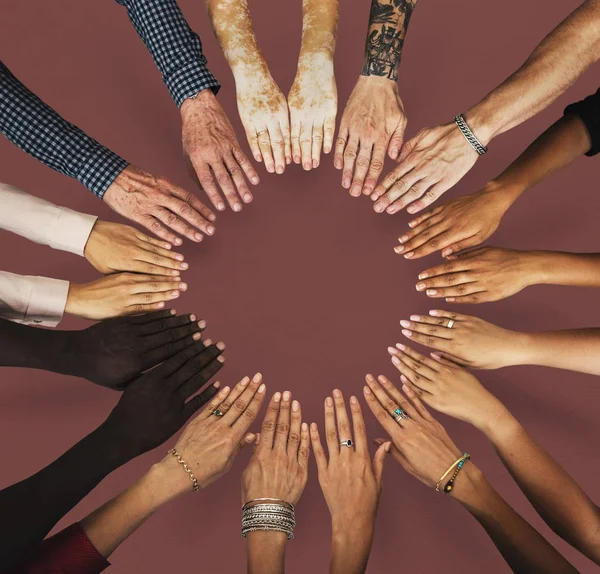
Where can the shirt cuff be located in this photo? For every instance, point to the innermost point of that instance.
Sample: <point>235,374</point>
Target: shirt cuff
<point>189,80</point>
<point>71,231</point>
<point>47,301</point>
<point>100,169</point>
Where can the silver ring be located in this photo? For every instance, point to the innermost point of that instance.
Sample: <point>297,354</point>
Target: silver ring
<point>399,415</point>
<point>450,324</point>
<point>346,442</point>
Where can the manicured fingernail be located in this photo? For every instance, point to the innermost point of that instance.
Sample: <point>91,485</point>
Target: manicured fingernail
<point>255,179</point>
<point>224,390</point>
<point>304,427</point>
<point>207,342</point>
<point>173,312</point>
<point>244,381</point>
<point>277,397</point>
<point>412,223</point>
<point>421,286</point>
<point>257,378</point>
<point>403,379</point>
<point>298,159</point>
<point>197,336</point>
<point>183,286</point>
<point>221,359</point>
<point>280,169</point>
<point>392,350</point>
<point>220,206</point>
<point>407,389</point>
<point>288,159</point>
<point>353,400</point>
<point>258,157</point>
<point>295,406</point>
<point>379,207</point>
<point>216,384</point>
<point>423,275</point>
<point>446,252</point>
<point>249,438</point>
<point>174,294</point>
<point>178,241</point>
<point>237,207</point>
<point>366,390</point>
<point>307,165</point>
<point>271,168</point>
<point>247,198</point>
<point>315,163</point>
<point>401,346</point>
<point>329,401</point>
<point>450,299</point>
<point>197,237</point>
<point>210,229</point>
<point>403,238</point>
<point>396,360</point>
<point>407,333</point>
<point>262,388</point>
<point>184,265</point>
<point>337,393</point>
<point>431,291</point>
<point>179,257</point>
<point>313,427</point>
<point>160,305</point>
<point>405,323</point>
<point>202,324</point>
<point>435,313</point>
<point>286,396</point>
<point>409,255</point>
<point>392,209</point>
<point>220,345</point>
<point>412,209</point>
<point>399,249</point>
<point>415,317</point>
<point>435,355</point>
<point>346,183</point>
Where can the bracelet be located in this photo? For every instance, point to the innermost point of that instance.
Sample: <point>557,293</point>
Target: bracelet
<point>450,484</point>
<point>469,135</point>
<point>268,514</point>
<point>267,500</point>
<point>195,485</point>
<point>454,464</point>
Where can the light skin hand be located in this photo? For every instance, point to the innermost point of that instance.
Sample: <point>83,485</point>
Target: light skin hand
<point>159,206</point>
<point>480,276</point>
<point>373,123</point>
<point>213,154</point>
<point>471,341</point>
<point>461,223</point>
<point>113,247</point>
<point>122,294</point>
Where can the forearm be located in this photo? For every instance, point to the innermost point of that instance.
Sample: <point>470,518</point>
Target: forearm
<point>557,498</point>
<point>560,268</point>
<point>266,552</point>
<point>30,508</point>
<point>319,27</point>
<point>521,546</point>
<point>350,548</point>
<point>552,67</point>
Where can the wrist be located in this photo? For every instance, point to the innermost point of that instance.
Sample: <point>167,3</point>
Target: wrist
<point>377,84</point>
<point>541,267</point>
<point>470,486</point>
<point>495,417</point>
<point>165,481</point>
<point>503,192</point>
<point>248,76</point>
<point>202,100</point>
<point>74,299</point>
<point>482,122</point>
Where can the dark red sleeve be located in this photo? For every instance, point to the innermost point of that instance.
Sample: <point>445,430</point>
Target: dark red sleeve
<point>68,552</point>
<point>589,112</point>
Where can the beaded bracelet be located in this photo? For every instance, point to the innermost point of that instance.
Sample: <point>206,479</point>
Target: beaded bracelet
<point>450,469</point>
<point>195,485</point>
<point>450,484</point>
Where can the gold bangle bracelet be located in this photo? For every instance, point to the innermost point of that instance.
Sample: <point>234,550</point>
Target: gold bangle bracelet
<point>195,485</point>
<point>454,464</point>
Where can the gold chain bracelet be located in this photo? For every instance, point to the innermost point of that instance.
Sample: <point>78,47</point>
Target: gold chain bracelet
<point>195,485</point>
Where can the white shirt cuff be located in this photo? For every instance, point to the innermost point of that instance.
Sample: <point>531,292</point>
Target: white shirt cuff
<point>71,230</point>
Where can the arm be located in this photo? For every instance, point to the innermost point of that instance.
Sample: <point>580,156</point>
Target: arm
<point>374,117</point>
<point>266,552</point>
<point>313,97</point>
<point>263,108</point>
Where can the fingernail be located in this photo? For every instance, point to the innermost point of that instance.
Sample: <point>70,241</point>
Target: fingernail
<point>271,168</point>
<point>286,396</point>
<point>387,447</point>
<point>295,406</point>
<point>392,350</point>
<point>207,342</point>
<point>192,317</point>
<point>183,286</point>
<point>307,165</point>
<point>415,317</point>
<point>407,389</point>
<point>313,427</point>
<point>396,360</point>
<point>403,379</point>
<point>221,359</point>
<point>224,390</point>
<point>435,355</point>
<point>411,209</point>
<point>244,381</point>
<point>403,238</point>
<point>179,258</point>
<point>220,345</point>
<point>220,206</point>
<point>161,305</point>
<point>399,249</point>
<point>378,207</point>
<point>412,223</point>
<point>355,191</point>
<point>337,393</point>
<point>277,397</point>
<point>431,291</point>
<point>421,286</point>
<point>255,180</point>
<point>247,198</point>
<point>434,312</point>
<point>279,169</point>
<point>392,209</point>
<point>405,323</point>
<point>346,183</point>
<point>446,252</point>
<point>304,427</point>
<point>409,255</point>
<point>210,229</point>
<point>257,378</point>
<point>407,333</point>
<point>184,265</point>
<point>197,336</point>
<point>261,389</point>
<point>288,159</point>
<point>174,294</point>
<point>197,237</point>
<point>353,400</point>
<point>401,346</point>
<point>202,324</point>
<point>237,207</point>
<point>329,401</point>
<point>216,384</point>
<point>315,163</point>
<point>297,159</point>
<point>450,299</point>
<point>366,390</point>
<point>249,438</point>
<point>178,241</point>
<point>423,276</point>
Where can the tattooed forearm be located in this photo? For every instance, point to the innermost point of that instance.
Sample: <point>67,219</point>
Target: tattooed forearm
<point>388,23</point>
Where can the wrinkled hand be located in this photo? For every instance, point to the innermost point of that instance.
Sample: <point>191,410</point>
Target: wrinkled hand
<point>313,107</point>
<point>420,444</point>
<point>373,123</point>
<point>209,444</point>
<point>158,205</point>
<point>264,113</point>
<point>113,352</point>
<point>122,294</point>
<point>461,223</point>
<point>279,466</point>
<point>480,276</point>
<point>153,407</point>
<point>429,165</point>
<point>445,386</point>
<point>213,153</point>
<point>113,247</point>
<point>471,341</point>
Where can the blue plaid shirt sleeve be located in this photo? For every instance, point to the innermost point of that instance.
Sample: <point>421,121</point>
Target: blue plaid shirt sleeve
<point>175,48</point>
<point>37,129</point>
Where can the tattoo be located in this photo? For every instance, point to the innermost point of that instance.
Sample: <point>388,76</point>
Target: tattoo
<point>388,23</point>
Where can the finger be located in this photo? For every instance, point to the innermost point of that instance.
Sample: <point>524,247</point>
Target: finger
<point>401,187</point>
<point>320,457</point>
<point>162,245</point>
<point>390,179</point>
<point>434,193</point>
<point>416,237</point>
<point>358,426</point>
<point>197,402</point>
<point>187,206</point>
<point>198,371</point>
<point>428,340</point>
<point>448,315</point>
<point>417,403</point>
<point>341,415</point>
<point>226,184</point>
<point>384,418</point>
<point>172,220</point>
<point>375,169</point>
<point>249,414</point>
<point>270,422</point>
<point>295,139</point>
<point>247,439</point>
<point>207,183</point>
<point>328,134</point>
<point>429,367</point>
<point>164,352</point>
<point>247,168</point>
<point>396,454</point>
<point>241,403</point>
<point>172,328</point>
<point>383,383</point>
<point>304,448</point>
<point>436,327</point>
<point>331,434</point>
<point>408,375</point>
<point>252,138</point>
<point>306,145</point>
<point>379,461</point>
<point>149,263</point>
<point>287,144</point>
<point>349,158</point>
<point>397,141</point>
<point>282,430</point>
<point>294,437</point>
<point>134,301</point>
<point>264,143</point>
<point>175,363</point>
<point>141,308</point>
<point>278,147</point>
<point>363,161</point>
<point>416,190</point>
<point>152,224</point>
<point>317,144</point>
<point>149,318</point>
<point>215,402</point>
<point>444,281</point>
<point>151,283</point>
<point>239,180</point>
<point>457,292</point>
<point>453,359</point>
<point>340,146</point>
<point>235,393</point>
<point>440,243</point>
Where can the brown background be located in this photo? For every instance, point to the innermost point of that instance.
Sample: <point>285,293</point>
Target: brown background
<point>303,285</point>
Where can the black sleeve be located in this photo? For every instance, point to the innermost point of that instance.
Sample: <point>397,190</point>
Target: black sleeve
<point>588,110</point>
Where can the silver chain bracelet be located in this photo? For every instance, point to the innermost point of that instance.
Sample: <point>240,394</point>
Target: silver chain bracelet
<point>469,135</point>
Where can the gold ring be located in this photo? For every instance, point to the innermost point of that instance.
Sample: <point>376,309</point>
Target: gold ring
<point>261,133</point>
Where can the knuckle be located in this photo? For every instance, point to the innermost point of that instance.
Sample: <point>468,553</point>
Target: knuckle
<point>239,406</point>
<point>429,341</point>
<point>268,426</point>
<point>249,413</point>
<point>362,162</point>
<point>349,154</point>
<point>223,178</point>
<point>332,435</point>
<point>171,219</point>
<point>303,452</point>
<point>282,428</point>
<point>294,437</point>
<point>461,289</point>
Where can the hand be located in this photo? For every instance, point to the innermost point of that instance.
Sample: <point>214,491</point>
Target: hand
<point>429,165</point>
<point>463,222</point>
<point>446,387</point>
<point>210,443</point>
<point>279,466</point>
<point>121,294</point>
<point>159,206</point>
<point>480,276</point>
<point>264,113</point>
<point>313,107</point>
<point>373,123</point>
<point>153,407</point>
<point>470,342</point>
<point>420,444</point>
<point>115,351</point>
<point>350,482</point>
<point>114,247</point>
<point>213,153</point>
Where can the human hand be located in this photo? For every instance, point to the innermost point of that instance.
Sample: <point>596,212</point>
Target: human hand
<point>264,112</point>
<point>470,341</point>
<point>113,352</point>
<point>279,466</point>
<point>429,165</point>
<point>153,407</point>
<point>313,107</point>
<point>446,387</point>
<point>122,294</point>
<point>158,205</point>
<point>480,276</point>
<point>373,123</point>
<point>463,222</point>
<point>213,153</point>
<point>420,444</point>
<point>115,247</point>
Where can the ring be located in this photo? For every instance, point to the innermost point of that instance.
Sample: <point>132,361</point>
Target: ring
<point>346,442</point>
<point>258,134</point>
<point>399,414</point>
<point>218,413</point>
<point>450,324</point>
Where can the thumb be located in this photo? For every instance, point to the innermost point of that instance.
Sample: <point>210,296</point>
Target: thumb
<point>379,461</point>
<point>458,246</point>
<point>248,438</point>
<point>396,142</point>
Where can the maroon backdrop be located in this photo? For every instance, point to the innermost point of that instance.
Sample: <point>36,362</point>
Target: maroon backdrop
<point>303,285</point>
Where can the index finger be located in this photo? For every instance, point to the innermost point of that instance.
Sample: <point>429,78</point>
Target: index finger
<point>207,183</point>
<point>375,169</point>
<point>358,424</point>
<point>194,211</point>
<point>267,432</point>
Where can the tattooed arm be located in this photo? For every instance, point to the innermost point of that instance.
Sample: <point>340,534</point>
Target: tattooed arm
<point>374,119</point>
<point>263,108</point>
